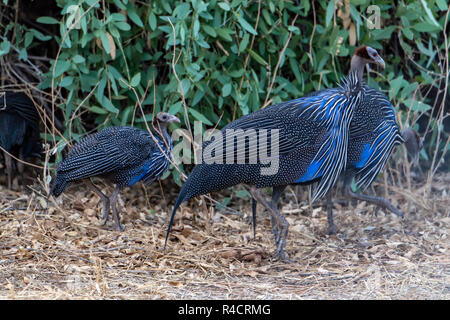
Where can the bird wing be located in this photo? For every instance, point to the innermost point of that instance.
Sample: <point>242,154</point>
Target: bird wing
<point>321,120</point>
<point>387,136</point>
<point>107,151</point>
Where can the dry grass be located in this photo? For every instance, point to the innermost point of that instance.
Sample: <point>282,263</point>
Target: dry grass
<point>63,253</point>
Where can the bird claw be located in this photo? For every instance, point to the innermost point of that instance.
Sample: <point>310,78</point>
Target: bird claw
<point>398,213</point>
<point>331,230</point>
<point>281,255</point>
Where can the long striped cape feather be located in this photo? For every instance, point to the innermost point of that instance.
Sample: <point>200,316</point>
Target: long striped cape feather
<point>330,110</point>
<point>387,136</point>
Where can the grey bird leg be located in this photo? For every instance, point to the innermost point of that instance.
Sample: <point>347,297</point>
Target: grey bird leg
<point>254,217</point>
<point>114,198</point>
<point>329,203</point>
<point>281,223</point>
<point>103,198</point>
<point>8,164</point>
<point>379,201</point>
<point>21,167</point>
<point>276,194</point>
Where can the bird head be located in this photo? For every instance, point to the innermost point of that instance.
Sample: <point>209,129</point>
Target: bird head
<point>413,142</point>
<point>367,55</point>
<point>166,118</point>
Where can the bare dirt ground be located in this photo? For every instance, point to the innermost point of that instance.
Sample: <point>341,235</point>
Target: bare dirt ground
<point>62,252</point>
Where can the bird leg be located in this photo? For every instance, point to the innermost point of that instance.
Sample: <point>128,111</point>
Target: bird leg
<point>113,199</point>
<point>103,198</point>
<point>279,221</point>
<point>379,201</point>
<point>21,167</point>
<point>276,194</point>
<point>254,217</point>
<point>329,203</point>
<point>8,165</point>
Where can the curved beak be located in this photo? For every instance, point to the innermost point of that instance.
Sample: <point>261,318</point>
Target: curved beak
<point>174,119</point>
<point>379,61</point>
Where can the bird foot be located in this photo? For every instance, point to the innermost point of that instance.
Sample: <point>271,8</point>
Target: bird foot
<point>120,228</point>
<point>281,256</point>
<point>331,230</point>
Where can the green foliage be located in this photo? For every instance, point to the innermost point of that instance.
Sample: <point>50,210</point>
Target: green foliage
<point>226,53</point>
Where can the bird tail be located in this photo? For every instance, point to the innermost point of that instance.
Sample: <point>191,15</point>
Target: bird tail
<point>58,185</point>
<point>184,195</point>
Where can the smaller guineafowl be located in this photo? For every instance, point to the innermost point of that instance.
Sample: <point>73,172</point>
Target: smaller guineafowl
<point>19,129</point>
<point>121,155</point>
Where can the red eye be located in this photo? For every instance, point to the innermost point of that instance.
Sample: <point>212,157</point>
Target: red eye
<point>374,54</point>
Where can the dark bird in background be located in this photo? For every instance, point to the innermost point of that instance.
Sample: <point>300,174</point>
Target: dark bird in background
<point>121,155</point>
<point>19,130</point>
<point>374,133</point>
<point>312,140</point>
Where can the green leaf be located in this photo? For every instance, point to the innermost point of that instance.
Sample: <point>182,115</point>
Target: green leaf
<point>418,106</point>
<point>105,42</point>
<point>442,4</point>
<point>257,57</point>
<point>385,33</point>
<point>429,13</point>
<point>209,30</point>
<point>426,27</point>
<point>98,110</point>
<point>225,6</point>
<point>175,108</point>
<point>122,26</point>
<point>47,20</point>
<point>152,21</point>
<point>330,12</point>
<point>244,43</point>
<point>135,80</point>
<point>61,67</point>
<point>78,59</point>
<point>247,26</point>
<point>66,82</point>
<point>134,16</point>
<point>224,34</point>
<point>396,84</point>
<point>226,90</point>
<point>186,84</point>
<point>108,105</point>
<point>4,47</point>
<point>197,115</point>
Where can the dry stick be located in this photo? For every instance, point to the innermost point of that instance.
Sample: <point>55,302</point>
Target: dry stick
<point>434,164</point>
<point>312,33</point>
<point>19,160</point>
<point>75,112</point>
<point>76,22</point>
<point>247,57</point>
<point>279,62</point>
<point>183,101</point>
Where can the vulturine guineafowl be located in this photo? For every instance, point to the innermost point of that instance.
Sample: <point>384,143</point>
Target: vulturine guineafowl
<point>311,135</point>
<point>373,135</point>
<point>19,129</point>
<point>121,155</point>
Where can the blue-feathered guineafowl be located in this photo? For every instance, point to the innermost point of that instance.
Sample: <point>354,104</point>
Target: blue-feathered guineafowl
<point>311,135</point>
<point>19,129</point>
<point>122,155</point>
<point>374,133</point>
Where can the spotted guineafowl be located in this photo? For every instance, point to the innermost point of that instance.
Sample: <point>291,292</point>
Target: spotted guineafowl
<point>374,133</point>
<point>19,129</point>
<point>121,155</point>
<point>311,135</point>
